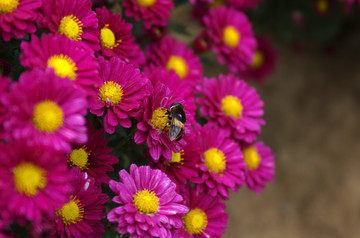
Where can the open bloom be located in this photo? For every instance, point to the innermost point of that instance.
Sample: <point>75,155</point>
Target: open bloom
<point>46,110</point>
<point>34,181</point>
<point>233,38</point>
<point>222,165</point>
<point>260,166</point>
<point>116,38</point>
<point>234,105</point>
<point>174,55</point>
<point>17,17</point>
<point>82,215</point>
<point>152,12</point>
<point>5,83</point>
<point>206,216</point>
<point>74,19</point>
<point>122,92</point>
<point>66,58</point>
<point>150,205</point>
<point>93,157</point>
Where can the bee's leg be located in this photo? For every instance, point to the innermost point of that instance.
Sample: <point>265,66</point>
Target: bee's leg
<point>167,124</point>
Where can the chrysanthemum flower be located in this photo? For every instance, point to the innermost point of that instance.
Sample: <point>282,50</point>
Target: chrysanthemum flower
<point>222,165</point>
<point>234,40</point>
<point>152,12</point>
<point>260,166</point>
<point>93,157</point>
<point>34,181</point>
<point>17,17</point>
<point>235,106</point>
<point>82,215</point>
<point>123,90</point>
<point>150,205</point>
<point>74,19</point>
<point>116,38</point>
<point>206,216</point>
<point>264,60</point>
<point>46,110</point>
<point>66,58</point>
<point>174,55</point>
<point>5,83</point>
<point>183,165</point>
<point>243,4</point>
<point>153,119</point>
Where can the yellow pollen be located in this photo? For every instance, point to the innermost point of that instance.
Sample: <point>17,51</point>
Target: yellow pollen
<point>215,160</point>
<point>146,3</point>
<point>72,212</point>
<point>258,59</point>
<point>107,38</point>
<point>231,36</point>
<point>79,157</point>
<point>48,116</point>
<point>146,202</point>
<point>111,92</point>
<point>178,64</point>
<point>71,26</point>
<point>177,157</point>
<point>159,118</point>
<point>195,221</point>
<point>322,5</point>
<point>251,158</point>
<point>29,178</point>
<point>63,66</point>
<point>231,106</point>
<point>7,6</point>
<point>216,3</point>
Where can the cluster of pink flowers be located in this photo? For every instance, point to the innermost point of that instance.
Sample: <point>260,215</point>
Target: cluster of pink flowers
<point>86,80</point>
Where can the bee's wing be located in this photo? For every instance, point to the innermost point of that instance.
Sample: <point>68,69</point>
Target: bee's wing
<point>175,128</point>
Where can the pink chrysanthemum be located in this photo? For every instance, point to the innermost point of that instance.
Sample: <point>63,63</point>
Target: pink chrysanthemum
<point>152,126</point>
<point>150,205</point>
<point>46,110</point>
<point>260,166</point>
<point>5,83</point>
<point>74,19</point>
<point>222,163</point>
<point>235,106</point>
<point>34,181</point>
<point>93,157</point>
<point>116,38</point>
<point>152,12</point>
<point>183,165</point>
<point>264,60</point>
<point>234,40</point>
<point>174,55</point>
<point>82,215</point>
<point>17,17</point>
<point>123,91</point>
<point>66,58</point>
<point>206,216</point>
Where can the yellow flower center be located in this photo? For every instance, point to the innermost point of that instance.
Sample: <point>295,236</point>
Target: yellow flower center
<point>231,106</point>
<point>195,221</point>
<point>48,116</point>
<point>63,66</point>
<point>251,158</point>
<point>29,178</point>
<point>72,212</point>
<point>146,3</point>
<point>79,157</point>
<point>176,157</point>
<point>146,202</point>
<point>107,38</point>
<point>111,92</point>
<point>231,36</point>
<point>7,6</point>
<point>178,64</point>
<point>159,118</point>
<point>216,3</point>
<point>215,160</point>
<point>258,59</point>
<point>71,26</point>
<point>322,5</point>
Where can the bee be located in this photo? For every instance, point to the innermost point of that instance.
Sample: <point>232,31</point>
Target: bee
<point>176,122</point>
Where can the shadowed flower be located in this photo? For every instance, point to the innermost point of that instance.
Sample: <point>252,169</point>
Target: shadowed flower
<point>232,104</point>
<point>322,7</point>
<point>5,83</point>
<point>150,205</point>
